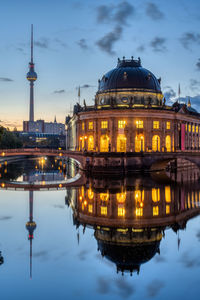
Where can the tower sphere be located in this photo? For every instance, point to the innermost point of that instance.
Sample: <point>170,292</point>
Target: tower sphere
<point>31,75</point>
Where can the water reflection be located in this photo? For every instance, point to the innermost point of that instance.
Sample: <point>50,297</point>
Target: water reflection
<point>130,216</point>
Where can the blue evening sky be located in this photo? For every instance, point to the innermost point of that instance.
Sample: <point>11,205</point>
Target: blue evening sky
<point>76,42</point>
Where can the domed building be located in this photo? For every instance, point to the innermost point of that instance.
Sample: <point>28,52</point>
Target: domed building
<point>130,116</point>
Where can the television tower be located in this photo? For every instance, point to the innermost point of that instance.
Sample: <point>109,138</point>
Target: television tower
<point>30,226</point>
<point>31,76</point>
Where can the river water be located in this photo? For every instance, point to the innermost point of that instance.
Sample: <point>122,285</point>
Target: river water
<point>104,238</point>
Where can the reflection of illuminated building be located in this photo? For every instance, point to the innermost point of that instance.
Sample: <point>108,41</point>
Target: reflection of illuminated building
<point>129,221</point>
<point>30,226</point>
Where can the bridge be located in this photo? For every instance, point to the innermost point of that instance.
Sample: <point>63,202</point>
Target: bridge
<point>110,161</point>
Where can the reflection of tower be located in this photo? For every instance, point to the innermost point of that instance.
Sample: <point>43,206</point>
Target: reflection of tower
<point>31,76</point>
<point>30,226</point>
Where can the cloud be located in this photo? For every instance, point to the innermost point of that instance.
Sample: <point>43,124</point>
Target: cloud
<point>5,218</point>
<point>124,288</point>
<point>103,13</point>
<point>123,12</point>
<point>158,44</point>
<point>41,254</point>
<point>59,91</point>
<point>169,94</point>
<point>153,12</point>
<point>194,84</point>
<point>5,79</point>
<point>116,14</point>
<point>141,48</point>
<point>103,286</point>
<point>154,287</point>
<point>61,43</point>
<point>195,101</point>
<point>188,261</point>
<point>82,254</point>
<point>198,235</point>
<point>86,86</point>
<point>107,42</point>
<point>42,43</point>
<point>83,44</point>
<point>190,38</point>
<point>198,65</point>
<point>59,206</point>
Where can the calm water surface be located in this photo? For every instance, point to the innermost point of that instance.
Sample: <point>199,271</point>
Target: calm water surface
<point>133,238</point>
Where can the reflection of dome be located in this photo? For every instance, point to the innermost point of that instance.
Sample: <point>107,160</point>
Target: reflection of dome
<point>129,74</point>
<point>126,252</point>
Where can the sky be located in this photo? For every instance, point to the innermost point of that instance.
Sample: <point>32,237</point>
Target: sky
<point>77,42</point>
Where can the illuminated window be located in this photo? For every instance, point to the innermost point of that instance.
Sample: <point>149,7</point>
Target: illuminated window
<point>189,127</point>
<point>90,208</point>
<point>139,143</point>
<point>104,210</point>
<point>139,212</point>
<point>168,125</point>
<point>155,211</point>
<point>90,125</point>
<point>83,125</point>
<point>197,129</point>
<point>193,128</point>
<point>104,196</point>
<point>104,143</point>
<point>167,194</point>
<point>167,209</point>
<point>121,143</point>
<point>121,211</point>
<point>156,124</point>
<point>186,127</point>
<point>139,195</point>
<point>155,195</point>
<point>90,143</point>
<point>139,124</point>
<point>168,143</point>
<point>121,124</point>
<point>90,194</point>
<point>104,124</point>
<point>156,143</point>
<point>121,197</point>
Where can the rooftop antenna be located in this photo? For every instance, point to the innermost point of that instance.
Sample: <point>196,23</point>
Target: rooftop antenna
<point>179,92</point>
<point>79,94</point>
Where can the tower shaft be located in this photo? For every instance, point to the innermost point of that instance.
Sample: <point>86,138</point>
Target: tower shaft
<point>31,112</point>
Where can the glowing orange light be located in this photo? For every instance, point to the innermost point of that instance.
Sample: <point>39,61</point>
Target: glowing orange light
<point>80,198</point>
<point>60,185</point>
<point>85,202</point>
<point>3,185</point>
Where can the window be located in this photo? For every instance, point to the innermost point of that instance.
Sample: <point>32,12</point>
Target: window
<point>155,195</point>
<point>139,124</point>
<point>197,129</point>
<point>156,124</point>
<point>155,211</point>
<point>186,127</point>
<point>90,208</point>
<point>90,125</point>
<point>121,143</point>
<point>167,194</point>
<point>91,143</point>
<point>167,209</point>
<point>156,143</point>
<point>189,127</point>
<point>193,128</point>
<point>168,125</point>
<point>168,143</point>
<point>104,196</point>
<point>104,124</point>
<point>139,212</point>
<point>121,124</point>
<point>139,143</point>
<point>83,125</point>
<point>104,143</point>
<point>121,197</point>
<point>104,210</point>
<point>121,211</point>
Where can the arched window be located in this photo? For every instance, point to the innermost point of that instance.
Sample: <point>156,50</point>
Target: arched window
<point>139,143</point>
<point>168,143</point>
<point>121,143</point>
<point>90,143</point>
<point>104,143</point>
<point>155,143</point>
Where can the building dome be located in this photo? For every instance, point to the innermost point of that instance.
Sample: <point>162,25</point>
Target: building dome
<point>129,83</point>
<point>129,74</point>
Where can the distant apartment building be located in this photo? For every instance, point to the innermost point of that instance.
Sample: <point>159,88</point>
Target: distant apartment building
<point>40,126</point>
